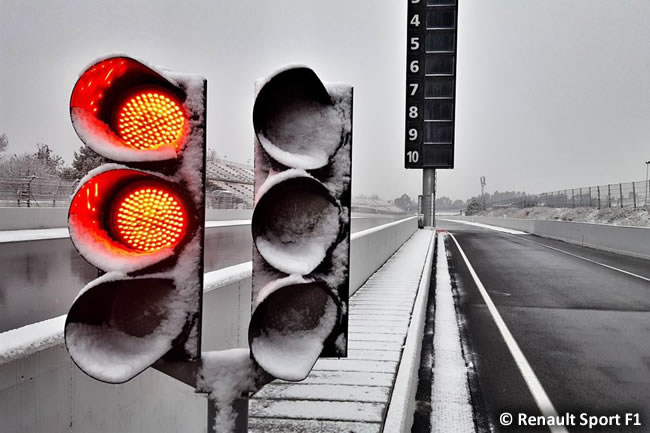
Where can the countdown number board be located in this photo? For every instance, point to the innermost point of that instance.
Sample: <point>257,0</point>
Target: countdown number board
<point>430,83</point>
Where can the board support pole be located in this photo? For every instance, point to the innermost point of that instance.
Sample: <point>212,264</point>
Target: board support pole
<point>429,193</point>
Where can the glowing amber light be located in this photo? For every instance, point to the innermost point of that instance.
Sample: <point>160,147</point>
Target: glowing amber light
<point>150,120</point>
<point>149,219</point>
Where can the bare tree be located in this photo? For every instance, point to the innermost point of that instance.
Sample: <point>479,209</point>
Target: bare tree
<point>4,143</point>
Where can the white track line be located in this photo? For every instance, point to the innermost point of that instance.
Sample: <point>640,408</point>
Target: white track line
<point>486,226</point>
<point>534,385</point>
<point>516,232</point>
<point>591,261</point>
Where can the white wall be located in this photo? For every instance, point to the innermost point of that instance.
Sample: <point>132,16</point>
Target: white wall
<point>43,391</point>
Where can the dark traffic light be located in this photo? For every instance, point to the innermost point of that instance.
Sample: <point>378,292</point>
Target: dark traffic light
<point>301,222</point>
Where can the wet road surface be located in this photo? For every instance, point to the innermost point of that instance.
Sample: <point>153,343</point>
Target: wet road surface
<point>583,328</point>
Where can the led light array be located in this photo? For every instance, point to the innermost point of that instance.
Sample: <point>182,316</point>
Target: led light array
<point>149,219</point>
<point>150,120</point>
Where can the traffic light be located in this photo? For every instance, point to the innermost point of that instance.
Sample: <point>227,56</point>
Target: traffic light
<point>139,219</point>
<point>301,222</point>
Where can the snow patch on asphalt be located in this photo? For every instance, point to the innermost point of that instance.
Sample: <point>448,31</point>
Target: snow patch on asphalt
<point>451,408</point>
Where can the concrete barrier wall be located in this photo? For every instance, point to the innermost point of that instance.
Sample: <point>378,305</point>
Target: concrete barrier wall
<point>632,241</point>
<point>23,218</point>
<point>43,391</point>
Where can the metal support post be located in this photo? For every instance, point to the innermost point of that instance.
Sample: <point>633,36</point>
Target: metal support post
<point>620,193</point>
<point>647,183</point>
<point>566,198</point>
<point>598,196</point>
<point>580,204</point>
<point>634,194</point>
<point>609,195</point>
<point>429,190</point>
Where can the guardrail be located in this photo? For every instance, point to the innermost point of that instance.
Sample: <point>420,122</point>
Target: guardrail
<point>631,241</point>
<point>42,390</point>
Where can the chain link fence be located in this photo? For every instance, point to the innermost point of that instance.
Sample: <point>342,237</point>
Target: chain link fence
<point>629,194</point>
<point>54,192</point>
<point>35,191</point>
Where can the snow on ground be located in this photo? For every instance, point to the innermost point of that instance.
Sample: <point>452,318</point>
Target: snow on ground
<point>451,408</point>
<point>627,216</point>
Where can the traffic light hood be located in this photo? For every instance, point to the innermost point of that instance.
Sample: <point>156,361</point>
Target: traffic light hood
<point>296,121</point>
<point>119,326</point>
<point>296,222</point>
<point>124,220</point>
<point>293,319</point>
<point>127,111</point>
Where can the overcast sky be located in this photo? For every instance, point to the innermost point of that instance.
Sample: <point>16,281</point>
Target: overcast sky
<point>551,94</point>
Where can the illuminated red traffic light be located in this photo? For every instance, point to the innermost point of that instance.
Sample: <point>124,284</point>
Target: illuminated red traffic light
<point>149,120</point>
<point>126,219</point>
<point>149,217</point>
<point>138,218</point>
<point>120,107</point>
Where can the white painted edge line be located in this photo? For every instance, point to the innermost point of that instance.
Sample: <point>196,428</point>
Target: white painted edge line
<point>485,226</point>
<point>227,223</point>
<point>534,385</point>
<point>592,261</point>
<point>378,228</point>
<point>399,416</point>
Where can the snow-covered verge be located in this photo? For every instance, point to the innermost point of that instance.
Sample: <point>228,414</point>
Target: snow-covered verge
<point>399,416</point>
<point>627,216</point>
<point>450,387</point>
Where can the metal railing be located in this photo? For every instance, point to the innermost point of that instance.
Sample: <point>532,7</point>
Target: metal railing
<point>629,194</point>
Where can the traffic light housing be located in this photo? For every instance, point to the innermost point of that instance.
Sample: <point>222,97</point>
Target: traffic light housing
<point>139,219</point>
<point>301,222</point>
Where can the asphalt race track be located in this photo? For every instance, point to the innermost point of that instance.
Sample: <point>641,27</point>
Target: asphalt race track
<point>584,328</point>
